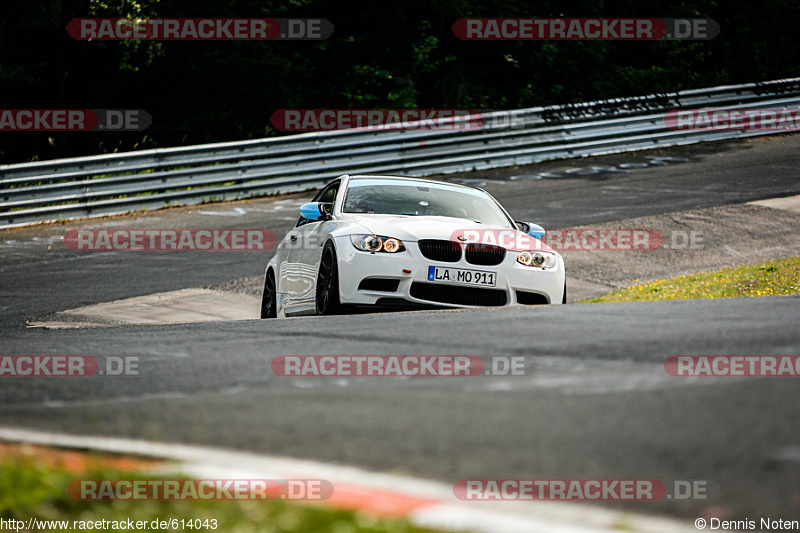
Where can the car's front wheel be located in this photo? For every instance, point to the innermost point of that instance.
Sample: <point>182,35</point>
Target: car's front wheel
<point>269,304</point>
<point>328,283</point>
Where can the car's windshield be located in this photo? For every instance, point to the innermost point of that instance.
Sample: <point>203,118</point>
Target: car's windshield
<point>414,198</point>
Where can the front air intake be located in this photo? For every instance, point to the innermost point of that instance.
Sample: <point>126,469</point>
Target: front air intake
<point>379,284</point>
<point>454,294</point>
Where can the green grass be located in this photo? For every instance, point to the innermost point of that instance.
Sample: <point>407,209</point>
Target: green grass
<point>773,278</point>
<point>30,489</point>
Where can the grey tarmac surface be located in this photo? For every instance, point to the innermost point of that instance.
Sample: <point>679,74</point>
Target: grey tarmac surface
<point>599,405</point>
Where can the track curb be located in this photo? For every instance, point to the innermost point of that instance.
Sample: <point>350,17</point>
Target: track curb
<point>423,502</point>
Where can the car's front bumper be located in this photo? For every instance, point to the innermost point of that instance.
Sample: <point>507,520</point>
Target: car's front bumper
<point>515,284</point>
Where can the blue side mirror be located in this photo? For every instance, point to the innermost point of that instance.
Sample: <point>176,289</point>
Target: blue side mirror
<point>534,230</point>
<point>314,211</point>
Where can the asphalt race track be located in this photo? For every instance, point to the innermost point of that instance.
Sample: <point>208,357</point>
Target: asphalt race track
<point>596,402</point>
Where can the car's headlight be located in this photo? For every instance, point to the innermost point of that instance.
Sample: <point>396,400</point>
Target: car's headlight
<point>377,243</point>
<point>545,260</point>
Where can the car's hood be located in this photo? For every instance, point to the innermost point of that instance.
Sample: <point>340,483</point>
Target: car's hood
<point>414,228</point>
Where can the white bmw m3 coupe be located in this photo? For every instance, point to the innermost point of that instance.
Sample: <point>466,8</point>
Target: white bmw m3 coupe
<point>398,242</point>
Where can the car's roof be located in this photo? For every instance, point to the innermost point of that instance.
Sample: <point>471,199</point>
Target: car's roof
<point>409,178</point>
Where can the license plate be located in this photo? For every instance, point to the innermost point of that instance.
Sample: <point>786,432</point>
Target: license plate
<point>464,277</point>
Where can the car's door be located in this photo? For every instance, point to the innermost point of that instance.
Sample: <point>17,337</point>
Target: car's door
<point>305,244</point>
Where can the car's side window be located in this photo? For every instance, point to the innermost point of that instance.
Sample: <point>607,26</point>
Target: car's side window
<point>326,195</point>
<point>329,195</point>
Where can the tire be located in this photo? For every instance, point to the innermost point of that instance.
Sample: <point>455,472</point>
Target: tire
<point>328,302</point>
<point>564,299</point>
<point>269,305</point>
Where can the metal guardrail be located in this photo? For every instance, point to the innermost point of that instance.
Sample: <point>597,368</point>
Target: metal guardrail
<point>118,183</point>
